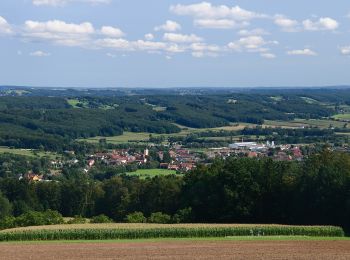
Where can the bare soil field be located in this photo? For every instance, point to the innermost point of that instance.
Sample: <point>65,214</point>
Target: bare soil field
<point>179,250</point>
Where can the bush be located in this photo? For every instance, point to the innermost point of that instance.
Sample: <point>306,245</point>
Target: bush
<point>136,217</point>
<point>183,216</point>
<point>77,220</point>
<point>160,218</point>
<point>7,222</point>
<point>33,218</point>
<point>101,219</point>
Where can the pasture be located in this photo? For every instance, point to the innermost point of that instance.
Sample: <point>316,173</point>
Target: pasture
<point>150,173</point>
<point>26,152</point>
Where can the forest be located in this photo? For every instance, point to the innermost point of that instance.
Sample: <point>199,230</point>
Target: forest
<point>52,120</point>
<point>237,190</point>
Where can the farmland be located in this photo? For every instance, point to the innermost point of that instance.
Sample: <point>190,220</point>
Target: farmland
<point>182,249</point>
<point>25,152</point>
<point>132,137</point>
<point>150,231</point>
<point>149,173</point>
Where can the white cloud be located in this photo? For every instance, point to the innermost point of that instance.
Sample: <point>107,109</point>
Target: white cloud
<point>169,26</point>
<point>215,23</point>
<point>56,3</point>
<point>5,27</point>
<point>268,55</point>
<point>181,38</point>
<point>113,32</point>
<point>286,24</point>
<point>59,32</point>
<point>252,43</point>
<point>199,54</point>
<point>201,47</point>
<point>304,52</point>
<point>40,54</point>
<point>206,10</point>
<point>345,50</point>
<point>149,36</point>
<point>323,24</point>
<point>253,32</point>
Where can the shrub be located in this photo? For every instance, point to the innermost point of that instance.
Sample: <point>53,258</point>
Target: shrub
<point>159,217</point>
<point>34,218</point>
<point>183,216</point>
<point>77,220</point>
<point>7,222</point>
<point>101,219</point>
<point>136,217</point>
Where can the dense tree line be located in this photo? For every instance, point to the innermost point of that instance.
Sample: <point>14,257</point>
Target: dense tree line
<point>237,190</point>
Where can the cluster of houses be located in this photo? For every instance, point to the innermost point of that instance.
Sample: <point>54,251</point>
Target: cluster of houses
<point>119,157</point>
<point>256,150</point>
<point>178,158</point>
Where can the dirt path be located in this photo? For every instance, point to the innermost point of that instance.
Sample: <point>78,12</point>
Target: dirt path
<point>180,250</point>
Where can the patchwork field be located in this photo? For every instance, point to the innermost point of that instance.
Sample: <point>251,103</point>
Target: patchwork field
<point>131,137</point>
<point>186,249</point>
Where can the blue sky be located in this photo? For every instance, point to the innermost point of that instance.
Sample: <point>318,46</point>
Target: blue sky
<point>163,43</point>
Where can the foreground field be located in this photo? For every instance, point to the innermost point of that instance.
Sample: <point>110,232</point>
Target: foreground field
<point>151,231</point>
<point>180,250</point>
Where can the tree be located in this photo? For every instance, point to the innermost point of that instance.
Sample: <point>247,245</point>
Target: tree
<point>5,207</point>
<point>136,217</point>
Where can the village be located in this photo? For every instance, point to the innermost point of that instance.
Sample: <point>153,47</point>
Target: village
<point>176,158</point>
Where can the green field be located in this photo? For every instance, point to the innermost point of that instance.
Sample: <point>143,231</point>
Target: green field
<point>150,173</point>
<point>26,152</point>
<point>345,116</point>
<point>132,137</point>
<point>113,231</point>
<point>298,123</point>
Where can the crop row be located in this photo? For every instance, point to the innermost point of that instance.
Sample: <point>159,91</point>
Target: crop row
<point>181,232</point>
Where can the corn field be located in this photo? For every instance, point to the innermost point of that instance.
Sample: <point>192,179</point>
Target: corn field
<point>168,231</point>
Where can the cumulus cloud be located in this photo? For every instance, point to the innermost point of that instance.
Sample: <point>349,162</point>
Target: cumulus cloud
<point>219,23</point>
<point>59,32</point>
<point>345,50</point>
<point>169,26</point>
<point>304,52</point>
<point>286,24</point>
<point>268,55</point>
<point>181,38</point>
<point>56,3</point>
<point>5,27</point>
<point>206,10</point>
<point>149,36</point>
<point>323,24</point>
<point>40,54</point>
<point>253,32</point>
<point>113,32</point>
<point>253,43</point>
<point>207,15</point>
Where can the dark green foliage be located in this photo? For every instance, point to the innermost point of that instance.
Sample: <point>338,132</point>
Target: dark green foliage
<point>160,218</point>
<point>136,217</point>
<point>5,207</point>
<point>101,219</point>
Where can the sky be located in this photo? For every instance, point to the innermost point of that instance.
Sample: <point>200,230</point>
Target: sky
<point>167,43</point>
